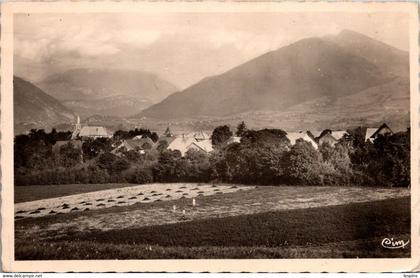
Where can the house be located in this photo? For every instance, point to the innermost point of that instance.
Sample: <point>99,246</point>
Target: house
<point>94,132</point>
<point>339,134</point>
<point>89,131</point>
<point>198,136</point>
<point>204,145</point>
<point>139,145</point>
<point>144,142</point>
<point>330,137</point>
<point>234,139</point>
<point>185,143</point>
<point>373,133</point>
<point>181,144</point>
<point>162,139</point>
<point>294,136</point>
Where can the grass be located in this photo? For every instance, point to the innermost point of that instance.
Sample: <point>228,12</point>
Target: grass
<point>85,250</point>
<point>352,230</point>
<point>260,200</point>
<point>273,229</point>
<point>38,192</point>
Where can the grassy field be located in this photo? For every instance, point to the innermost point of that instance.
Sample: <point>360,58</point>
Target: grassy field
<point>351,230</point>
<point>85,250</point>
<point>260,200</point>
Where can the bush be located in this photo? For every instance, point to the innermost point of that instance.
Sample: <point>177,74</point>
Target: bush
<point>303,164</point>
<point>141,176</point>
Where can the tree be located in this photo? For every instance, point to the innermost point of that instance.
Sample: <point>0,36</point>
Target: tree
<point>93,147</point>
<point>119,165</point>
<point>171,167</point>
<point>302,164</point>
<point>133,156</point>
<point>141,176</point>
<point>269,137</point>
<point>241,129</point>
<point>34,150</point>
<point>221,135</point>
<point>389,163</point>
<point>69,156</point>
<point>162,145</point>
<point>121,135</point>
<point>106,160</point>
<point>146,146</point>
<point>199,166</point>
<point>326,151</point>
<point>253,163</point>
<point>154,136</point>
<point>335,168</point>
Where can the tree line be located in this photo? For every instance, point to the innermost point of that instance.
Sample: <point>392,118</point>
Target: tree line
<point>263,157</point>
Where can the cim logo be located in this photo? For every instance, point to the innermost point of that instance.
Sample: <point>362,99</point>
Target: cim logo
<point>390,243</point>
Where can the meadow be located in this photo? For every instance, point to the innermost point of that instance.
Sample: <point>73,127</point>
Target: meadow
<point>264,222</point>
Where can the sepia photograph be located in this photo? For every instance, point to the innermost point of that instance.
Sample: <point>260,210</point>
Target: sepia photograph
<point>193,134</point>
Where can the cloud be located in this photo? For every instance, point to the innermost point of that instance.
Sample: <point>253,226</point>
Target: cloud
<point>183,47</point>
<point>48,42</point>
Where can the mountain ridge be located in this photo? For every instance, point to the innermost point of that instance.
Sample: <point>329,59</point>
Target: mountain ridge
<point>88,90</point>
<point>304,70</point>
<point>33,108</point>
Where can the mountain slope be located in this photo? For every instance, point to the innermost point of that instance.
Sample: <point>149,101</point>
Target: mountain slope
<point>33,108</point>
<point>107,92</point>
<point>388,102</point>
<point>389,59</point>
<point>306,70</point>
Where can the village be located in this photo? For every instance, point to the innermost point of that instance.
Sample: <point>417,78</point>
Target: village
<point>200,140</point>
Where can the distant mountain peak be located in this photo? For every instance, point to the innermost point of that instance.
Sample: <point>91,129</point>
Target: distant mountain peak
<point>312,68</point>
<point>348,32</point>
<point>116,92</point>
<point>353,37</point>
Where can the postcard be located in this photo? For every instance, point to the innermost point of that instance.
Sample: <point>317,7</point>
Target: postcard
<point>210,136</point>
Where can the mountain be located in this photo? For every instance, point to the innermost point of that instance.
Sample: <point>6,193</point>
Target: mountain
<point>106,92</point>
<point>329,69</point>
<point>389,59</point>
<point>33,108</point>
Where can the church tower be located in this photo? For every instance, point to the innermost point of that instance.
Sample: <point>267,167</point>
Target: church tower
<point>77,128</point>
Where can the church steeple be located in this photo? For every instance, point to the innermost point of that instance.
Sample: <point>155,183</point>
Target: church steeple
<point>77,128</point>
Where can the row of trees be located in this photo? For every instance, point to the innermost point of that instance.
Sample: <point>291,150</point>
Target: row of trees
<point>34,151</point>
<point>261,157</point>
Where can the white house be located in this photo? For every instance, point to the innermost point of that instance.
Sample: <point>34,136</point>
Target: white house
<point>373,133</point>
<point>139,145</point>
<point>294,136</point>
<point>185,143</point>
<point>203,145</point>
<point>94,132</point>
<point>181,144</point>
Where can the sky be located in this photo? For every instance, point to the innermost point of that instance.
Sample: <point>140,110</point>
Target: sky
<point>182,48</point>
